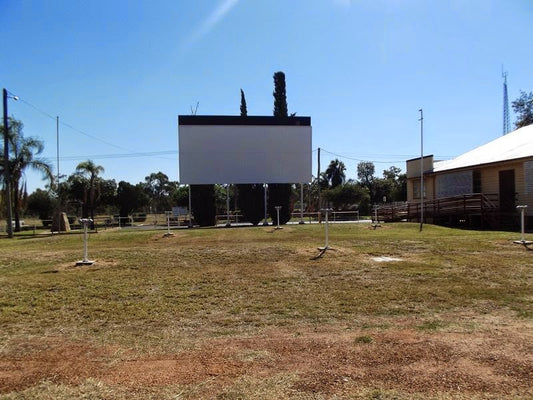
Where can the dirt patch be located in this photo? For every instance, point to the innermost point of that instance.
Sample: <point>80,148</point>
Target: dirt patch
<point>326,362</point>
<point>72,267</point>
<point>57,360</point>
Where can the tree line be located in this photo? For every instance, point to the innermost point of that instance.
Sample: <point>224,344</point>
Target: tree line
<point>85,193</point>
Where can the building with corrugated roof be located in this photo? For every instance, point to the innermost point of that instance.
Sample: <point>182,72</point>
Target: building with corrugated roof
<point>480,187</point>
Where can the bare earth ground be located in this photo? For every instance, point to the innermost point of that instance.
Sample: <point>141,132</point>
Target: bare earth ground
<point>480,351</point>
<point>329,363</point>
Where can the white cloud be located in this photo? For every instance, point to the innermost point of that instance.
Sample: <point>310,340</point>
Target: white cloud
<point>211,21</point>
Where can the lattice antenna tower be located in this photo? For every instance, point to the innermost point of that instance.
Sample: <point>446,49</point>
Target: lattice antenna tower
<point>506,126</point>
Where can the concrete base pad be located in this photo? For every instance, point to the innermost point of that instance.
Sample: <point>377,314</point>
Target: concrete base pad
<point>524,242</point>
<point>84,262</point>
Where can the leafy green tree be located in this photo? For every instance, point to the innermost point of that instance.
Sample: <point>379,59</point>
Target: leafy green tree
<point>347,197</point>
<point>324,183</point>
<point>397,184</point>
<point>41,204</point>
<point>279,194</point>
<point>313,189</point>
<point>108,196</point>
<point>382,189</point>
<point>365,175</point>
<point>392,187</point>
<point>88,171</point>
<point>159,189</point>
<point>335,173</point>
<point>523,106</point>
<point>131,198</point>
<point>180,196</point>
<point>23,155</point>
<point>221,195</point>
<point>74,192</point>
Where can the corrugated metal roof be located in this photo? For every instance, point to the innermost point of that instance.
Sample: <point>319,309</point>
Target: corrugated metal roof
<point>514,145</point>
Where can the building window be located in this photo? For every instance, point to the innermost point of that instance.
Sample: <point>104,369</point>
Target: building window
<point>476,182</point>
<point>416,189</point>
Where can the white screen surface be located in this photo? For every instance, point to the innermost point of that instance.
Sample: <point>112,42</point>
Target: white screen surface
<point>210,154</point>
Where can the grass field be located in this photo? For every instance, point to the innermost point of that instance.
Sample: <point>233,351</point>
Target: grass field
<point>246,313</point>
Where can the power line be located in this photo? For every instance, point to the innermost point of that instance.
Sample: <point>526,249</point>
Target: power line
<point>127,155</point>
<point>362,160</point>
<point>403,157</point>
<point>130,153</point>
<point>94,137</point>
<point>36,109</point>
<point>74,128</point>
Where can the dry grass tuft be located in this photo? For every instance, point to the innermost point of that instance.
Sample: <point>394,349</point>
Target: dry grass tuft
<point>245,313</point>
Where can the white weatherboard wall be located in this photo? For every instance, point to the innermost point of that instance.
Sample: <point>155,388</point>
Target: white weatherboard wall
<point>528,177</point>
<point>210,154</point>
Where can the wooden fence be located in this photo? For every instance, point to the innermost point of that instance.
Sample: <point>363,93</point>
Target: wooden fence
<point>472,209</point>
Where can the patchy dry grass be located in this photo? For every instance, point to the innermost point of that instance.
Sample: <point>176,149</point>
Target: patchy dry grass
<point>246,313</point>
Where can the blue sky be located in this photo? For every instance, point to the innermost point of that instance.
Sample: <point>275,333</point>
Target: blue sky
<point>118,73</point>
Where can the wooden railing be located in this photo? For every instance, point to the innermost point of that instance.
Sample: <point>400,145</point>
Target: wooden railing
<point>462,206</point>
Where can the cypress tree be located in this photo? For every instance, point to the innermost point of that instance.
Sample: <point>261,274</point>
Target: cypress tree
<point>280,193</point>
<point>251,202</point>
<point>244,109</point>
<point>280,95</point>
<point>203,204</point>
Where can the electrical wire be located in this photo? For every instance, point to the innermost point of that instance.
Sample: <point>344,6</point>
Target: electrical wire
<point>402,157</point>
<point>131,153</point>
<point>360,159</point>
<point>127,155</point>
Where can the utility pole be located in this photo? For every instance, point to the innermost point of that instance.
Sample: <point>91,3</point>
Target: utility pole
<point>265,186</point>
<point>421,168</point>
<point>57,151</point>
<point>7,178</point>
<point>318,183</point>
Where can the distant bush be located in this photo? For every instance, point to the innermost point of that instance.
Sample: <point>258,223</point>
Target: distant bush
<point>345,197</point>
<point>40,203</point>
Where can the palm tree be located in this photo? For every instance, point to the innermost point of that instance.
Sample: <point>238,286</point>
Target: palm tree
<point>23,152</point>
<point>335,173</point>
<point>89,171</point>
